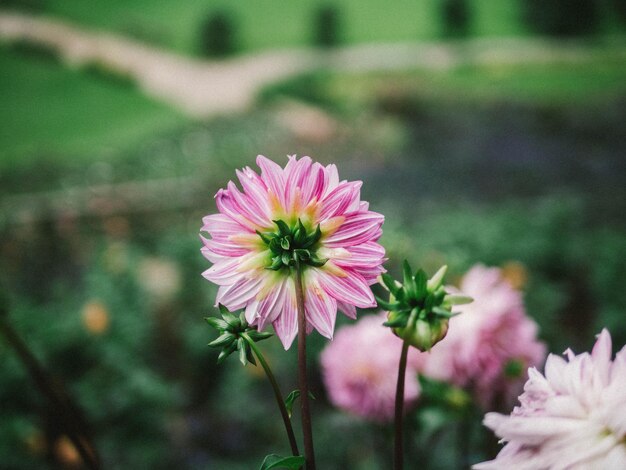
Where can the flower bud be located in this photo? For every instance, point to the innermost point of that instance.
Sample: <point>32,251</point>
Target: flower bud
<point>419,308</point>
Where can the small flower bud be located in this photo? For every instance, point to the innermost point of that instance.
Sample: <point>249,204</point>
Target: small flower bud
<point>419,308</point>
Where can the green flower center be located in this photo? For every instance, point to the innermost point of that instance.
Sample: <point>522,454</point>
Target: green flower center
<point>291,246</point>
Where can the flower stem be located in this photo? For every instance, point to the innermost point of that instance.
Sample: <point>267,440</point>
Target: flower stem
<point>277,393</point>
<point>307,432</point>
<point>67,412</point>
<point>398,452</point>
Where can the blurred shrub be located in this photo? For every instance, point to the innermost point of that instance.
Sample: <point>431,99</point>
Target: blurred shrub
<point>619,7</point>
<point>562,17</point>
<point>28,5</point>
<point>327,27</point>
<point>218,35</point>
<point>101,71</point>
<point>455,18</point>
<point>32,50</point>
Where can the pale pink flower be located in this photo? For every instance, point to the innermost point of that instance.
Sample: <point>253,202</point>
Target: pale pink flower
<point>491,343</point>
<point>252,276</point>
<point>572,418</point>
<point>360,369</point>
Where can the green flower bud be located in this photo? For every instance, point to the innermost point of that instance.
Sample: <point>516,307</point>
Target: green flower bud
<point>419,308</point>
<point>233,331</point>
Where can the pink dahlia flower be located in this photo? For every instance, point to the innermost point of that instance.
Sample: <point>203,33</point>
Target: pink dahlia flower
<point>491,343</point>
<point>572,418</point>
<point>360,369</point>
<point>301,214</point>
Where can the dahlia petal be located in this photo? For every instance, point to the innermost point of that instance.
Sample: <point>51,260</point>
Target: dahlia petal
<point>273,176</point>
<point>351,289</point>
<point>321,308</point>
<point>356,229</point>
<point>224,273</point>
<point>272,305</point>
<point>224,247</point>
<point>286,324</point>
<point>347,309</point>
<point>222,225</point>
<point>331,179</point>
<point>237,295</point>
<point>255,190</point>
<point>366,254</point>
<point>340,200</point>
<point>601,354</point>
<point>313,187</point>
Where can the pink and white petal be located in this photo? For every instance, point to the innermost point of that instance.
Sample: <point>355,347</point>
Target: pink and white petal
<point>255,189</point>
<point>220,225</point>
<point>271,306</point>
<point>286,324</point>
<point>347,309</point>
<point>313,187</point>
<point>369,254</point>
<point>224,247</point>
<point>352,288</point>
<point>272,175</point>
<point>237,295</point>
<point>224,273</point>
<point>357,228</point>
<point>248,207</point>
<point>320,308</point>
<point>229,206</point>
<point>344,198</point>
<point>331,179</point>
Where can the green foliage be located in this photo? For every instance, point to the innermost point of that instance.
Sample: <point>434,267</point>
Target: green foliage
<point>218,35</point>
<point>277,461</point>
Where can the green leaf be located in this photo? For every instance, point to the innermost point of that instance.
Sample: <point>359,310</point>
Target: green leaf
<point>312,239</point>
<point>257,336</point>
<point>420,281</point>
<point>265,239</point>
<point>224,340</point>
<point>317,262</point>
<point>291,398</point>
<point>278,461</point>
<point>387,305</point>
<point>227,351</point>
<point>217,323</point>
<point>283,228</point>
<point>299,234</point>
<point>399,322</point>
<point>407,279</point>
<point>390,283</point>
<point>241,346</point>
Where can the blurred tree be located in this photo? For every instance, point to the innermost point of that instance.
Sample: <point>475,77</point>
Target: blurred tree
<point>327,24</point>
<point>619,7</point>
<point>217,35</point>
<point>562,17</point>
<point>456,18</point>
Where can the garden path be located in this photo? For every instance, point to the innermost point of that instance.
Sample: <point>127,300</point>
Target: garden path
<point>203,88</point>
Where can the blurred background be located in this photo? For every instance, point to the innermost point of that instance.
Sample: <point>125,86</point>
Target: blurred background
<point>488,131</point>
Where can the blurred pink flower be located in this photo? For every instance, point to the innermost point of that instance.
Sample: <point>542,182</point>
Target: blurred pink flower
<point>360,369</point>
<point>574,417</point>
<point>259,231</point>
<point>490,344</point>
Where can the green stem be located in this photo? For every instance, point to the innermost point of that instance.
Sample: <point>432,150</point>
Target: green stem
<point>307,433</point>
<point>67,412</point>
<point>398,451</point>
<point>277,393</point>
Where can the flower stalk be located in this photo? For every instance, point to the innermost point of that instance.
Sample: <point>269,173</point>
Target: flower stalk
<point>303,384</point>
<point>277,393</point>
<point>398,448</point>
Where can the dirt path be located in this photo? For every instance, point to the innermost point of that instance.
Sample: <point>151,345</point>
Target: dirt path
<point>204,88</point>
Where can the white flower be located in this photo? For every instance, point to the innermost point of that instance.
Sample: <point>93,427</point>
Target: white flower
<point>573,418</point>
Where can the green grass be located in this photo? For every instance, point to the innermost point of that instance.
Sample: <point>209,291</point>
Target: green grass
<point>49,111</point>
<point>600,79</point>
<point>277,23</point>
